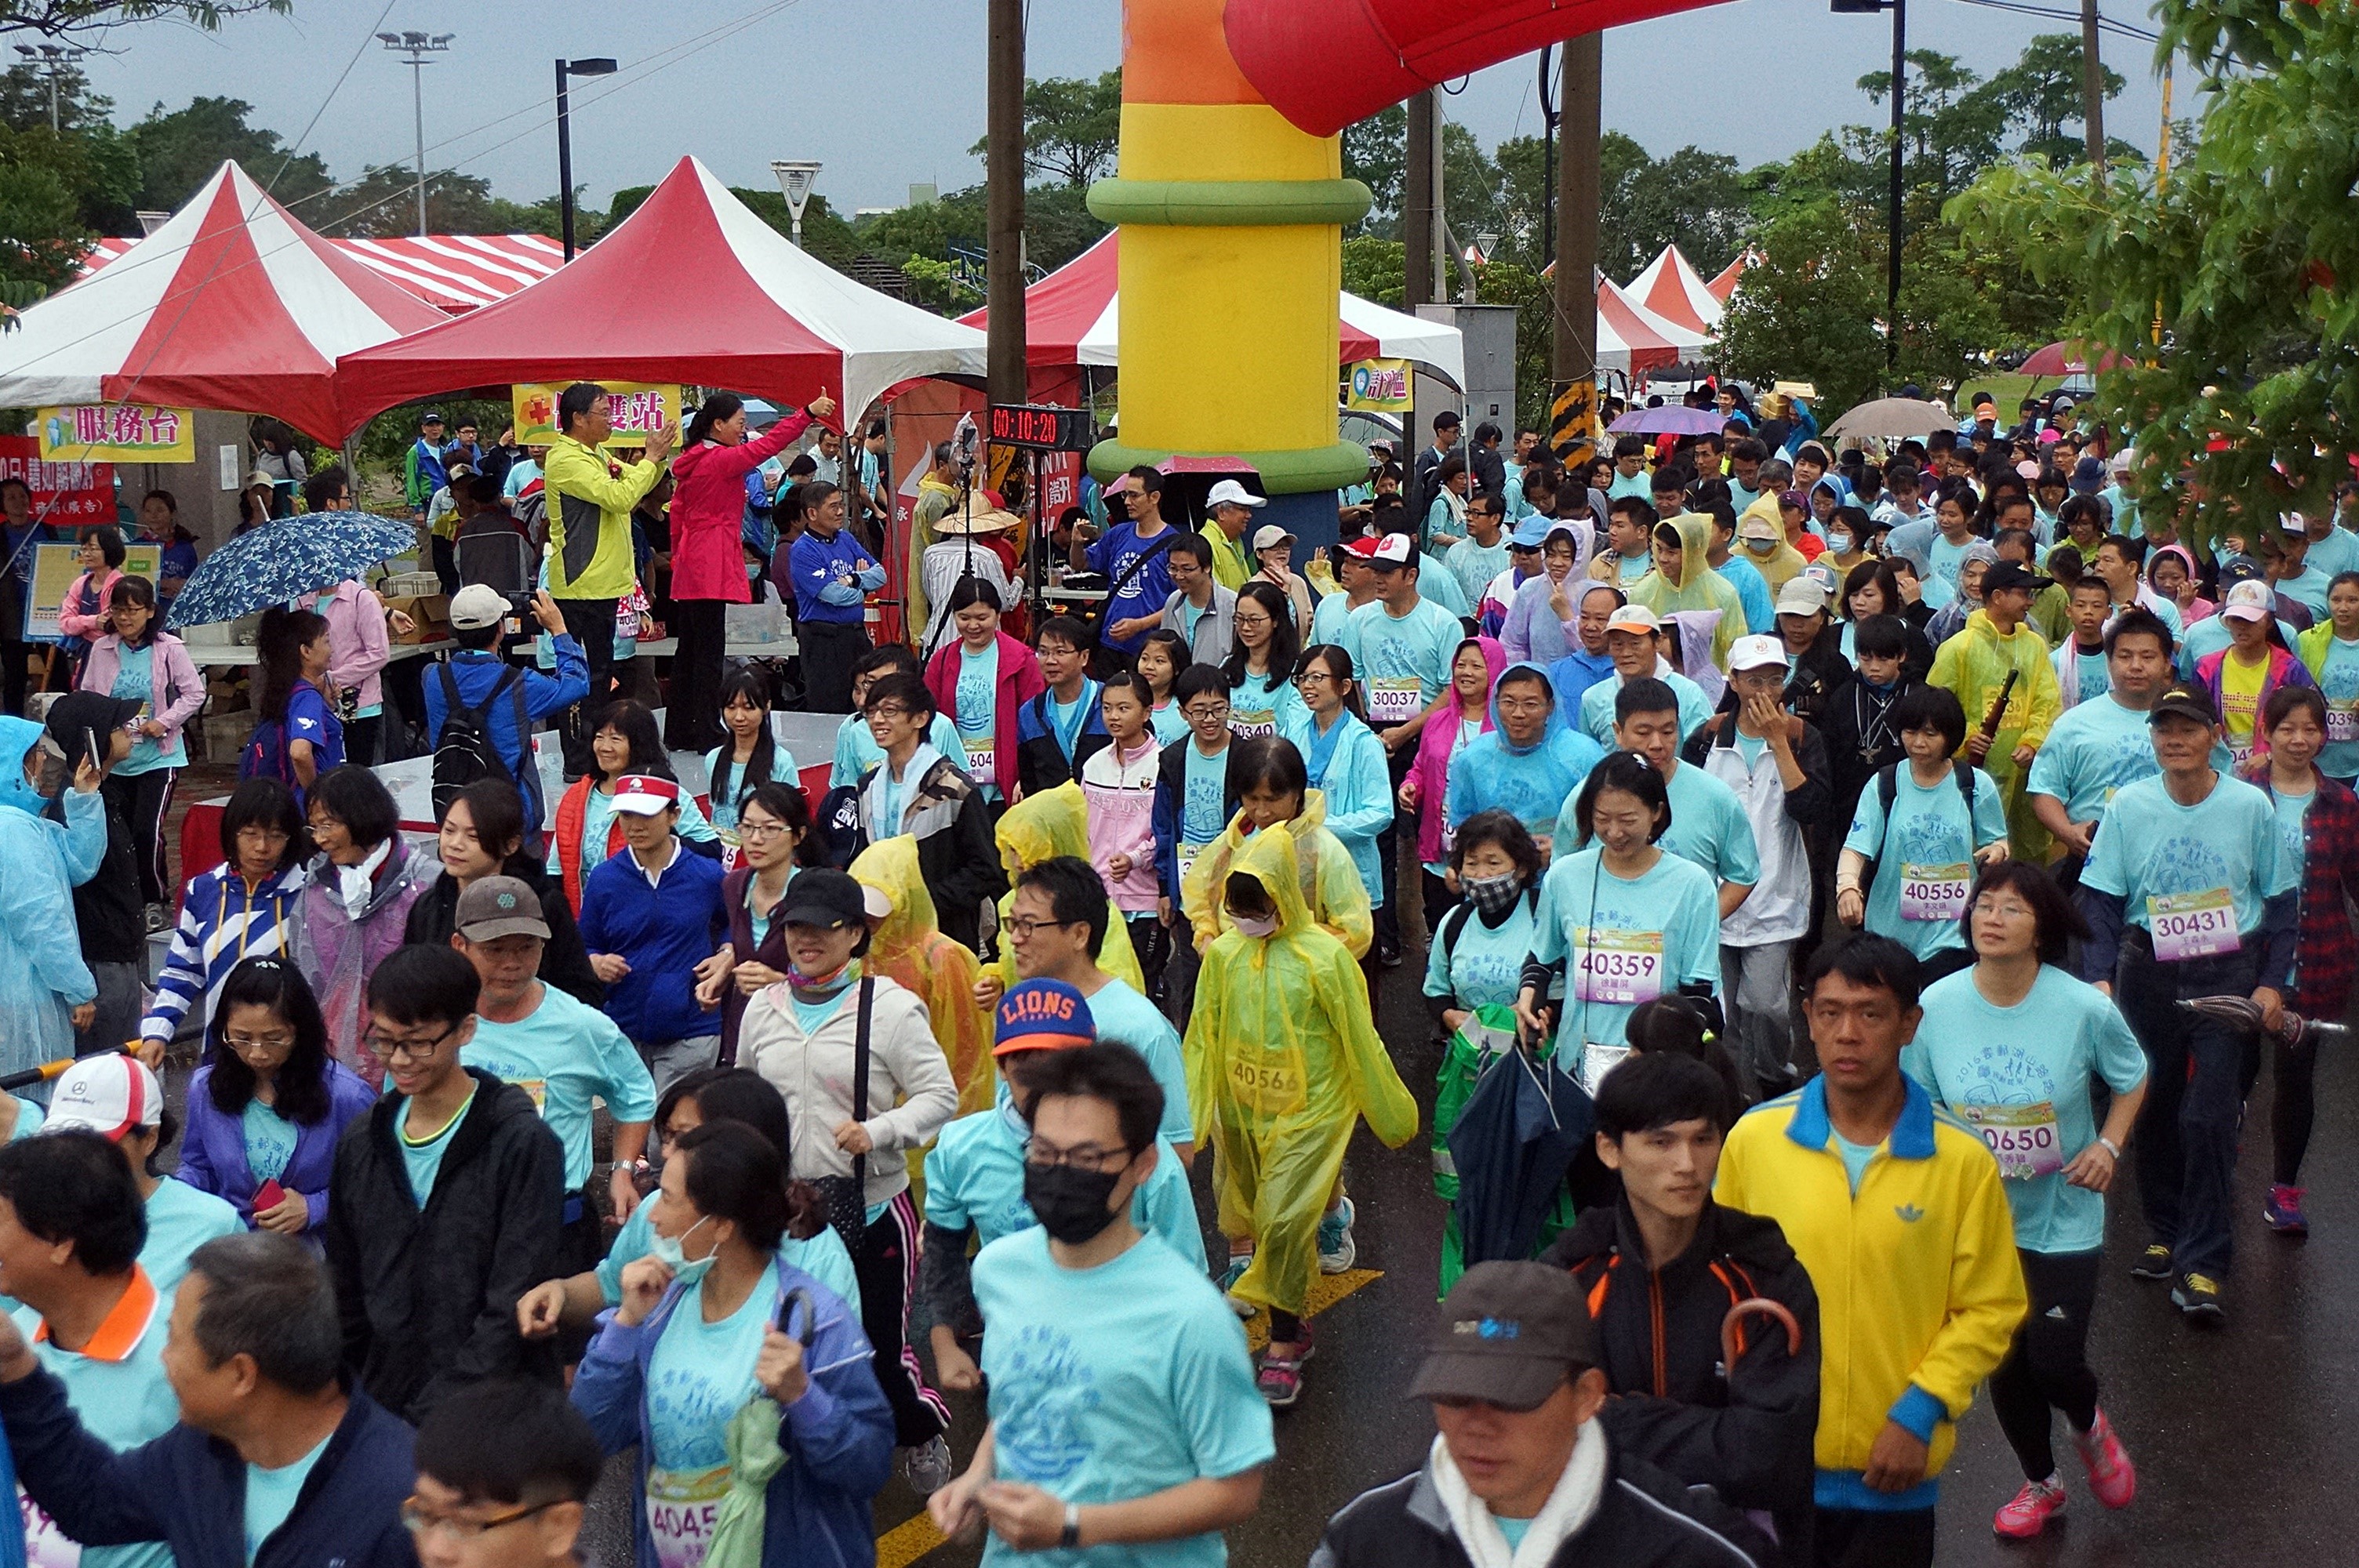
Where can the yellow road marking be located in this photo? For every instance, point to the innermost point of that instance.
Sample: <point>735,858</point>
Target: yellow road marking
<point>915,1536</point>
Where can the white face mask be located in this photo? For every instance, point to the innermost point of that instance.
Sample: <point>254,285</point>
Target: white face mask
<point>1252,926</point>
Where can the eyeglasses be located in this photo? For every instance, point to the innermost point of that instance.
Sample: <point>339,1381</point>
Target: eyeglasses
<point>418,1518</point>
<point>1309,676</point>
<point>888,710</point>
<point>1206,712</point>
<point>242,1043</point>
<point>1084,1156</point>
<point>748,830</point>
<point>1024,925</point>
<point>2003,911</point>
<point>416,1050</point>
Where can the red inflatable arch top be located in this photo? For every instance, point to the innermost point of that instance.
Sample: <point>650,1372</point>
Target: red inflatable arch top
<point>1325,64</point>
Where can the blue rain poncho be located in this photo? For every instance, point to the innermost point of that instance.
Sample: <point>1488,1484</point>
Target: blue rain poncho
<point>1347,765</point>
<point>1529,782</point>
<point>42,976</point>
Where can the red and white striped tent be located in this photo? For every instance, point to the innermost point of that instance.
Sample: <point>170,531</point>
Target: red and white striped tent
<point>1072,317</point>
<point>690,287</point>
<point>232,304</point>
<point>1724,285</point>
<point>1631,337</point>
<point>453,272</point>
<point>1673,289</point>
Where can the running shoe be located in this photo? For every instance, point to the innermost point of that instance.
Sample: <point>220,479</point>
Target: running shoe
<point>928,1466</point>
<point>1337,1250</point>
<point>1280,1378</point>
<point>2283,1211</point>
<point>2153,1263</point>
<point>1228,1281</point>
<point>2028,1514</point>
<point>2112,1476</point>
<point>2197,1297</point>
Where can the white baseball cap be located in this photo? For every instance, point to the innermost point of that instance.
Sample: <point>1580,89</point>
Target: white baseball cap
<point>1801,596</point>
<point>2294,522</point>
<point>1234,493</point>
<point>1394,550</point>
<point>1633,618</point>
<point>475,606</point>
<point>2251,599</point>
<point>1755,653</point>
<point>1270,534</point>
<point>109,1093</point>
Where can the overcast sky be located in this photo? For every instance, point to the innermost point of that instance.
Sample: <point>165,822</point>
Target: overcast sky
<point>890,91</point>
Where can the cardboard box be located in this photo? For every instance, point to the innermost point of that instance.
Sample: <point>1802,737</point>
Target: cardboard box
<point>431,611</point>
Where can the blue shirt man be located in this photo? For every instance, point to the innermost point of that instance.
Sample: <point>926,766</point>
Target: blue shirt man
<point>1136,606</point>
<point>476,669</point>
<point>832,575</point>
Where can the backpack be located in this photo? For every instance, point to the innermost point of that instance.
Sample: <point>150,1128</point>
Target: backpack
<point>265,755</point>
<point>465,752</point>
<point>1887,790</point>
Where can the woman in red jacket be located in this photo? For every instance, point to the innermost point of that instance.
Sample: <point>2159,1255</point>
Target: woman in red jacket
<point>708,563</point>
<point>979,682</point>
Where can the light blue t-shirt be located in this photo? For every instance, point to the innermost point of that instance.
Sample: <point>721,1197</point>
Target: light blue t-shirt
<point>2037,1056</point>
<point>424,1161</point>
<point>1170,724</point>
<point>2308,590</point>
<point>562,1054</point>
<point>1327,619</point>
<point>1669,916</point>
<point>2291,812</point>
<point>1204,812</point>
<point>1484,965</point>
<point>2336,554</point>
<point>741,790</point>
<point>270,1496</point>
<point>700,1373</point>
<point>1855,1157</point>
<point>1121,1013</point>
<point>1929,839</point>
<point>1390,651</point>
<point>180,1219</point>
<point>2093,750</point>
<point>2152,847</point>
<point>1068,720</point>
<point>2210,635</point>
<point>1112,1383</point>
<point>857,749</point>
<point>269,1141</point>
<point>822,1257</point>
<point>1514,1529</point>
<point>2090,669</point>
<point>1474,565</point>
<point>1943,558</point>
<point>2338,682</point>
<point>974,1176</point>
<point>134,679</point>
<point>122,1402</point>
<point>1263,704</point>
<point>1708,826</point>
<point>1597,707</point>
<point>978,689</point>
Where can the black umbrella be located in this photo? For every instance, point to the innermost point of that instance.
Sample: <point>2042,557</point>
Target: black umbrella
<point>1513,1144</point>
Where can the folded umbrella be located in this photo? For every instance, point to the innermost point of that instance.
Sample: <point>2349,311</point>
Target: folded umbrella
<point>286,558</point>
<point>1513,1142</point>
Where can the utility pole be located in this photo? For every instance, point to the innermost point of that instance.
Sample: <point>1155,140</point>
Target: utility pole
<point>1893,219</point>
<point>1418,219</point>
<point>2093,87</point>
<point>1572,383</point>
<point>417,47</point>
<point>1004,196</point>
<point>52,60</point>
<point>1549,117</point>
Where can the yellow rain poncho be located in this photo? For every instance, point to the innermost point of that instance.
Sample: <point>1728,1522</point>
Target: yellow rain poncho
<point>1332,888</point>
<point>1040,828</point>
<point>910,947</point>
<point>1283,1059</point>
<point>1698,587</point>
<point>1780,566</point>
<point>1974,664</point>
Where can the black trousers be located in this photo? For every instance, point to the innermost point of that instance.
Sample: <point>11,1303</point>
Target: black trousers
<point>361,738</point>
<point>143,799</point>
<point>1858,1537</point>
<point>13,676</point>
<point>590,623</point>
<point>830,649</point>
<point>693,707</point>
<point>2046,1368</point>
<point>886,1264</point>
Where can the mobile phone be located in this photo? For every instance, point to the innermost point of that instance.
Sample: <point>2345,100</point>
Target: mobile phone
<point>89,739</point>
<point>267,1196</point>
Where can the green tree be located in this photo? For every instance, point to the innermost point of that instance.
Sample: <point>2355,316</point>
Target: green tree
<point>2229,291</point>
<point>69,18</point>
<point>1372,270</point>
<point>1376,153</point>
<point>1071,127</point>
<point>179,150</point>
<point>2040,95</point>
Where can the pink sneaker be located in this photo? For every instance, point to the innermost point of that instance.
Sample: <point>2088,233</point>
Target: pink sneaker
<point>2112,1476</point>
<point>2028,1514</point>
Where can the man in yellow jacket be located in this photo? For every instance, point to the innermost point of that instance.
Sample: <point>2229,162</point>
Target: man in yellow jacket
<point>590,563</point>
<point>1974,663</point>
<point>1897,1210</point>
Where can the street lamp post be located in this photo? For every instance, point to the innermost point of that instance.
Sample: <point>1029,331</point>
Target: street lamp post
<point>417,47</point>
<point>565,68</point>
<point>51,59</point>
<point>1899,9</point>
<point>795,178</point>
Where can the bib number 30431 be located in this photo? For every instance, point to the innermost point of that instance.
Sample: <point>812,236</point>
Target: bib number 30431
<point>1619,967</point>
<point>2192,925</point>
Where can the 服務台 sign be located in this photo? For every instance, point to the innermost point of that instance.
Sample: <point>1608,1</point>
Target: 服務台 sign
<point>118,432</point>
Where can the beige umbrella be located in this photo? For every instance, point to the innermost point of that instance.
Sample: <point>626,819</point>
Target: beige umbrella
<point>1892,420</point>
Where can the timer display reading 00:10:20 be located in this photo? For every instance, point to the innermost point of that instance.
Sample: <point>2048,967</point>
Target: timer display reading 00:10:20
<point>1038,426</point>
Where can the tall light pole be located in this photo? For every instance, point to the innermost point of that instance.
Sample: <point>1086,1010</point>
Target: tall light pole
<point>52,60</point>
<point>795,178</point>
<point>1899,9</point>
<point>565,68</point>
<point>417,47</point>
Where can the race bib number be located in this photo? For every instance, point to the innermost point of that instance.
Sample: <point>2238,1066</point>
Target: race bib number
<point>2239,751</point>
<point>1249,723</point>
<point>1187,857</point>
<point>682,1507</point>
<point>2343,721</point>
<point>1621,968</point>
<point>2192,925</point>
<point>2023,1136</point>
<point>1596,1061</point>
<point>538,1089</point>
<point>46,1546</point>
<point>1269,1086</point>
<point>1393,702</point>
<point>1449,838</point>
<point>980,753</point>
<point>1935,892</point>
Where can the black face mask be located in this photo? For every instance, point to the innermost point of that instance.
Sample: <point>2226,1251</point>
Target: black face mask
<point>1070,1202</point>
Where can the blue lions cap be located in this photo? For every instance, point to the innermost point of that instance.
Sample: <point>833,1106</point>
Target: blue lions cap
<point>1042,1015</point>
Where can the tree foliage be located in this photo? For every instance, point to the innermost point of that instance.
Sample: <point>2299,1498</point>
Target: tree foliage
<point>68,18</point>
<point>179,150</point>
<point>1071,127</point>
<point>2229,289</point>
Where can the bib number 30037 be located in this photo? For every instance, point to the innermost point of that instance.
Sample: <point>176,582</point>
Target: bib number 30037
<point>2192,925</point>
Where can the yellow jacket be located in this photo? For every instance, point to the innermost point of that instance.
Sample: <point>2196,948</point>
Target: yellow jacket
<point>1974,664</point>
<point>1699,586</point>
<point>910,947</point>
<point>590,521</point>
<point>1039,827</point>
<point>1332,888</point>
<point>1919,1288</point>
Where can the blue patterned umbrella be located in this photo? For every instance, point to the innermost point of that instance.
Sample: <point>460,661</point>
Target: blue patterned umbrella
<point>286,558</point>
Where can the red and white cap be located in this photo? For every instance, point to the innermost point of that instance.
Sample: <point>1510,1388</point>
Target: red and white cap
<point>644,794</point>
<point>109,1093</point>
<point>1396,550</point>
<point>1364,546</point>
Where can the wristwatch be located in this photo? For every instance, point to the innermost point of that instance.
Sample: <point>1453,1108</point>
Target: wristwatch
<point>1070,1537</point>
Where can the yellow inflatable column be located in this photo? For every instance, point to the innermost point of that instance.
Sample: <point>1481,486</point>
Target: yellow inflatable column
<point>1232,227</point>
